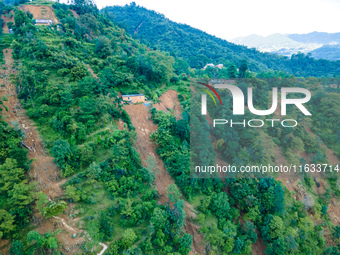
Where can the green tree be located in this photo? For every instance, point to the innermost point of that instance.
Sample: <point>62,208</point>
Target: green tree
<point>17,248</point>
<point>6,223</point>
<point>54,208</point>
<point>42,201</point>
<point>250,230</point>
<point>159,218</point>
<point>72,193</point>
<point>232,71</point>
<point>174,193</point>
<point>62,153</point>
<point>220,205</point>
<point>10,174</point>
<point>129,237</point>
<point>243,69</point>
<point>185,244</point>
<point>103,47</point>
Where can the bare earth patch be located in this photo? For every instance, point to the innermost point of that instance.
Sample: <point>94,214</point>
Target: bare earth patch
<point>6,19</point>
<point>140,115</point>
<point>43,169</point>
<point>41,12</point>
<point>141,120</point>
<point>169,101</point>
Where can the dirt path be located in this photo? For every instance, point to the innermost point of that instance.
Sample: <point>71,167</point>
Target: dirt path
<point>76,231</point>
<point>91,71</point>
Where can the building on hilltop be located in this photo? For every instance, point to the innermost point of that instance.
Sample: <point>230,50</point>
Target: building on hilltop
<point>44,22</point>
<point>134,98</point>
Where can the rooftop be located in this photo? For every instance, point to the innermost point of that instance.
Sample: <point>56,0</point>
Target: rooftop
<point>43,20</point>
<point>133,95</point>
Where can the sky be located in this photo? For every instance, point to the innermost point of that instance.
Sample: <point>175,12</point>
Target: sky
<point>231,19</point>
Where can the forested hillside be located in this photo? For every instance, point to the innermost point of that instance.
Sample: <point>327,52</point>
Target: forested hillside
<point>198,48</point>
<point>82,172</point>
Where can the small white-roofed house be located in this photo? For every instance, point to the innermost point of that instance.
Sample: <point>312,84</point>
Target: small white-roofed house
<point>44,22</point>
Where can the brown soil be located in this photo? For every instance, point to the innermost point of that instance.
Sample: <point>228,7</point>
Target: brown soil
<point>259,247</point>
<point>141,120</point>
<point>140,115</point>
<point>4,246</point>
<point>197,238</point>
<point>76,15</point>
<point>334,212</point>
<point>169,101</point>
<point>43,170</point>
<point>120,124</point>
<point>91,71</point>
<point>7,19</point>
<point>41,12</point>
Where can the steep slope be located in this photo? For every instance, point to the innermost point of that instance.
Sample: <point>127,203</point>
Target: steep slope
<point>198,48</point>
<point>106,189</point>
<point>41,12</point>
<point>69,79</point>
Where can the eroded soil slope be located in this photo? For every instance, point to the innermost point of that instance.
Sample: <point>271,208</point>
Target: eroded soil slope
<point>141,120</point>
<point>43,169</point>
<point>41,12</point>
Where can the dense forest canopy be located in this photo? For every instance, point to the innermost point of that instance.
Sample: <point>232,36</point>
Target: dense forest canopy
<point>198,48</point>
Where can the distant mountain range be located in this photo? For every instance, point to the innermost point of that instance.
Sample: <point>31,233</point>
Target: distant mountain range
<point>319,44</point>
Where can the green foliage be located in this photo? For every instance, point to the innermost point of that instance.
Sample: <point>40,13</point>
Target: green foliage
<point>129,237</point>
<point>16,194</point>
<point>117,201</point>
<point>197,48</point>
<point>172,139</point>
<point>174,193</point>
<point>84,7</point>
<point>17,248</point>
<point>42,243</point>
<point>220,205</point>
<point>49,208</point>
<point>6,223</point>
<point>62,153</point>
<point>72,193</point>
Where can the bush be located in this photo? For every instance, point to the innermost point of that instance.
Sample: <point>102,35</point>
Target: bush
<point>77,73</point>
<point>174,79</point>
<point>63,72</point>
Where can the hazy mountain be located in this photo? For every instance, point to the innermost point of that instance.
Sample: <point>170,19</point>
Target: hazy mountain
<point>316,37</point>
<point>276,43</point>
<point>319,44</point>
<point>331,52</point>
